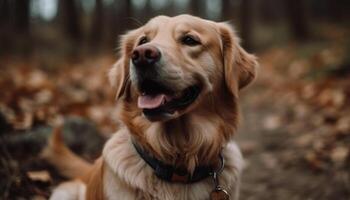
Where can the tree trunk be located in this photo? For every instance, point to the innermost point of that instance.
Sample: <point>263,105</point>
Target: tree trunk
<point>226,10</point>
<point>246,23</point>
<point>128,8</point>
<point>97,23</point>
<point>5,27</point>
<point>271,10</point>
<point>70,17</point>
<point>333,10</point>
<point>338,11</point>
<point>196,7</point>
<point>297,19</point>
<point>170,9</point>
<point>146,12</point>
<point>21,18</point>
<point>120,18</point>
<point>4,14</point>
<point>128,15</point>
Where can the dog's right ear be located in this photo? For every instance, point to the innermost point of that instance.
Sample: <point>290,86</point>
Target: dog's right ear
<point>119,73</point>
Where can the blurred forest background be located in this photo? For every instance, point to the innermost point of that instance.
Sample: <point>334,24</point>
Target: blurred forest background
<point>295,134</point>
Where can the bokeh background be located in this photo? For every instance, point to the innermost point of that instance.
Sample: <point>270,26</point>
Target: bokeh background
<point>295,129</point>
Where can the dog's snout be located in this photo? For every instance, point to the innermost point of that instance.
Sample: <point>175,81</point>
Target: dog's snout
<point>145,55</point>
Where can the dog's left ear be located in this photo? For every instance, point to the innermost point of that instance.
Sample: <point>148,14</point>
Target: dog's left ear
<point>240,67</point>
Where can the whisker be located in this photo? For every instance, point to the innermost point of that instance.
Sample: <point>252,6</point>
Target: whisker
<point>136,21</point>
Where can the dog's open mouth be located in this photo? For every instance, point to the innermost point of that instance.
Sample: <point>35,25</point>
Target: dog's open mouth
<point>157,100</point>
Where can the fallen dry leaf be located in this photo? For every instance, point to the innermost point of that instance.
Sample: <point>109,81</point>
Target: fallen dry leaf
<point>339,154</point>
<point>272,122</point>
<point>43,176</point>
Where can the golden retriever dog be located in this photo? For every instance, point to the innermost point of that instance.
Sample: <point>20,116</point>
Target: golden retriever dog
<point>177,82</point>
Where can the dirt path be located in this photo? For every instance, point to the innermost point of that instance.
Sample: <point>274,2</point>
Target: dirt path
<point>274,165</point>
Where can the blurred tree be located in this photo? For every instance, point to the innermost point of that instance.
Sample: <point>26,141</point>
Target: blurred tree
<point>146,11</point>
<point>111,27</point>
<point>21,17</point>
<point>296,14</point>
<point>226,10</point>
<point>4,14</point>
<point>128,14</point>
<point>246,20</point>
<point>97,24</point>
<point>271,10</point>
<point>170,8</point>
<point>196,8</point>
<point>71,19</point>
<point>338,9</point>
<point>334,9</point>
<point>120,17</point>
<point>4,25</point>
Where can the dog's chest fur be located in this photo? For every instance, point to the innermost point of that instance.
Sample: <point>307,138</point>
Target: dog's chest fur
<point>127,176</point>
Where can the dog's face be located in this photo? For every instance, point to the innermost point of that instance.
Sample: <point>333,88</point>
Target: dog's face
<point>173,63</point>
<point>168,66</point>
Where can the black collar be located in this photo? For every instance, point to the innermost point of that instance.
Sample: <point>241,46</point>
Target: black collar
<point>171,174</point>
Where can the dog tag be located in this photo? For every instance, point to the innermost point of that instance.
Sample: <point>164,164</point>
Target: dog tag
<point>219,194</point>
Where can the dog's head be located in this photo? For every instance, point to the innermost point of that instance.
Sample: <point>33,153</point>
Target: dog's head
<point>173,67</point>
<point>172,63</point>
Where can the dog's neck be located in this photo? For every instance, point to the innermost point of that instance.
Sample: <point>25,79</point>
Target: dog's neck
<point>190,141</point>
<point>195,138</point>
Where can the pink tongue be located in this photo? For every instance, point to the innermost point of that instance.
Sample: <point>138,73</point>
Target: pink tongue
<point>150,102</point>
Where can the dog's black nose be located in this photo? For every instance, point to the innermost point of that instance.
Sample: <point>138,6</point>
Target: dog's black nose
<point>145,55</point>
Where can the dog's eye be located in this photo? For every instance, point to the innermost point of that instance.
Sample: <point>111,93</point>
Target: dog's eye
<point>190,40</point>
<point>143,40</point>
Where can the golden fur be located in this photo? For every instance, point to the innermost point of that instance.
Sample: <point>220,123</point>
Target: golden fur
<point>193,136</point>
